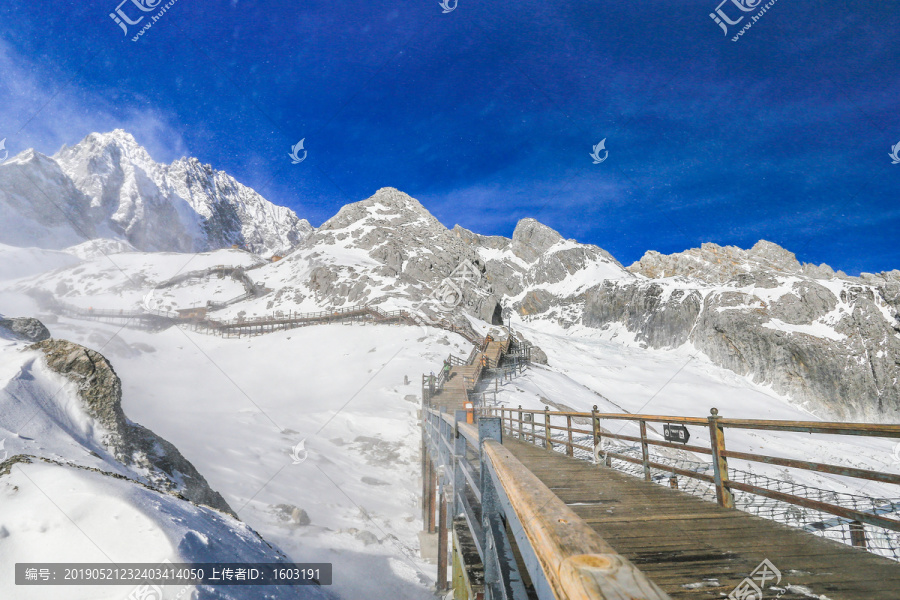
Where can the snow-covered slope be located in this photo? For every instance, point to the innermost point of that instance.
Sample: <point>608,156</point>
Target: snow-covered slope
<point>81,483</point>
<point>108,186</point>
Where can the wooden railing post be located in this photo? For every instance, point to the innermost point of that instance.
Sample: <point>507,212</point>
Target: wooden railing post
<point>645,451</point>
<point>570,450</point>
<point>520,422</point>
<point>720,463</point>
<point>430,485</point>
<point>858,535</point>
<point>595,427</point>
<point>547,443</point>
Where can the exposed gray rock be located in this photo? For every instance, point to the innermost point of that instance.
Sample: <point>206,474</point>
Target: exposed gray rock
<point>531,240</point>
<point>711,263</point>
<point>24,328</point>
<point>659,318</point>
<point>538,356</point>
<point>100,391</point>
<point>294,515</point>
<point>838,353</point>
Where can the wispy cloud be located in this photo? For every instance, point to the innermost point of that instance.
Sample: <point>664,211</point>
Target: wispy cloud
<point>41,109</point>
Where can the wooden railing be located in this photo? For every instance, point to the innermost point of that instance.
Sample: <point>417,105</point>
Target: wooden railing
<point>564,557</point>
<point>538,427</point>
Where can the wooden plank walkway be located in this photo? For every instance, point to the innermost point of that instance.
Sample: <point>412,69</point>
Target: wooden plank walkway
<point>697,550</point>
<point>455,392</point>
<point>462,377</point>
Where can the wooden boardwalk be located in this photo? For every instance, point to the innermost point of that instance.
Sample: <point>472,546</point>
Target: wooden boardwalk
<point>463,378</point>
<point>695,549</point>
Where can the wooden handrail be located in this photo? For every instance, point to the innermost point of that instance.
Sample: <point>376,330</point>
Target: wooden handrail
<point>720,454</point>
<point>576,562</point>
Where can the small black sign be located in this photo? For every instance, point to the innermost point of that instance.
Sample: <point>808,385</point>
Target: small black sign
<point>676,433</point>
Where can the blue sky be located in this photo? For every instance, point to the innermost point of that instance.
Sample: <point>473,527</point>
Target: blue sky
<point>487,114</point>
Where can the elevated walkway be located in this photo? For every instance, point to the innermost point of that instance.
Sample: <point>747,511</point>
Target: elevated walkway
<point>526,504</point>
<point>695,549</point>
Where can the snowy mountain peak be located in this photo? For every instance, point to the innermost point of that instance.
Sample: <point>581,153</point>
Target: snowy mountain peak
<point>183,207</point>
<point>115,145</point>
<point>387,206</point>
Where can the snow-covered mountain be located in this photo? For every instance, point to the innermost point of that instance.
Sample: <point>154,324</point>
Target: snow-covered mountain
<point>827,341</point>
<point>751,332</point>
<point>108,186</point>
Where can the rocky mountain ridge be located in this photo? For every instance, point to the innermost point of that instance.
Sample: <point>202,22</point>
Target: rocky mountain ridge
<point>819,337</point>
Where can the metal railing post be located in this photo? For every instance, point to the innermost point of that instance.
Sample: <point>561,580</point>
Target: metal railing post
<point>424,470</point>
<point>490,502</point>
<point>645,451</point>
<point>459,454</point>
<point>720,464</point>
<point>441,582</point>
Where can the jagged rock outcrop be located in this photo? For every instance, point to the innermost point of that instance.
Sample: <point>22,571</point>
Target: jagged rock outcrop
<point>711,263</point>
<point>24,329</point>
<point>100,391</point>
<point>824,339</point>
<point>404,252</point>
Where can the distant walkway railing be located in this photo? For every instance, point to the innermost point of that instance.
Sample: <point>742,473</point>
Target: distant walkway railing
<point>853,519</point>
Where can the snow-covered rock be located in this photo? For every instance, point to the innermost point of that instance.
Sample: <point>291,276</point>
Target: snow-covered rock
<point>79,482</point>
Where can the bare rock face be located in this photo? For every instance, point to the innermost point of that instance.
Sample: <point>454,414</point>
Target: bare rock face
<point>826,340</point>
<point>711,263</point>
<point>412,250</point>
<point>24,328</point>
<point>100,391</point>
<point>532,239</point>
